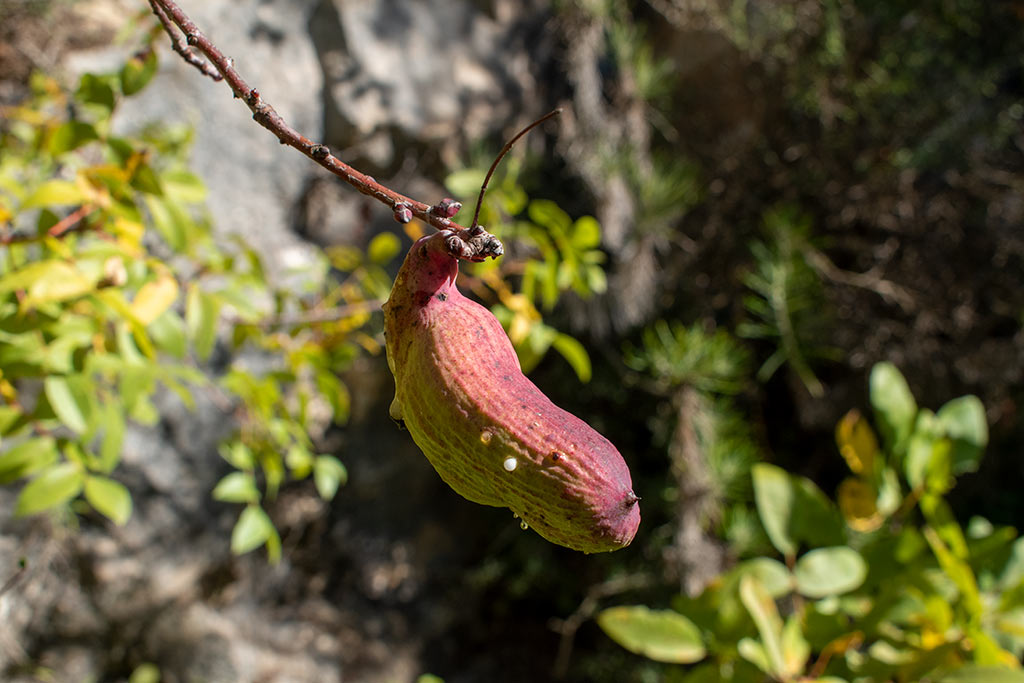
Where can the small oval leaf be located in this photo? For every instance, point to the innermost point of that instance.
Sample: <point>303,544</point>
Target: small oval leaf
<point>56,485</point>
<point>110,498</point>
<point>829,571</point>
<point>661,635</point>
<point>252,530</point>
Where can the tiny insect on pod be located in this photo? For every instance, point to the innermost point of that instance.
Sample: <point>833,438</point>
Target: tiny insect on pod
<point>490,433</point>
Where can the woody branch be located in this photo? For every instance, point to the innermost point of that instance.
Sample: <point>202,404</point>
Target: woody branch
<point>177,24</point>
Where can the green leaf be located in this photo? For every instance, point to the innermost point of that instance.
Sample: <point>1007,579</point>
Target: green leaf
<point>465,183</point>
<point>93,89</point>
<point>55,485</point>
<point>328,474</point>
<point>550,215</point>
<point>795,648</point>
<point>894,405</point>
<point>586,233</point>
<point>753,651</point>
<point>383,248</point>
<point>829,571</point>
<point>168,333</point>
<point>137,72</point>
<point>772,574</point>
<point>963,421</point>
<point>110,498</point>
<point>793,510</point>
<point>145,673</point>
<point>983,674</point>
<point>153,298</point>
<point>28,457</point>
<point>573,352</point>
<point>69,398</point>
<point>238,455</point>
<point>252,530</point>
<point>766,617</point>
<point>54,193</point>
<point>113,421</point>
<point>237,487</point>
<point>144,179</point>
<point>71,135</point>
<point>183,186</point>
<point>201,314</point>
<point>661,635</point>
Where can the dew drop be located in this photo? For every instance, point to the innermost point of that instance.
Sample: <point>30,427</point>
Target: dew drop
<point>485,437</point>
<point>515,515</point>
<point>523,525</point>
<point>510,464</point>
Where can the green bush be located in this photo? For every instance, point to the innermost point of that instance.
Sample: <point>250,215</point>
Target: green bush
<point>882,584</point>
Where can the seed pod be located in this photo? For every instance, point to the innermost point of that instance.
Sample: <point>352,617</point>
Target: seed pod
<point>487,429</point>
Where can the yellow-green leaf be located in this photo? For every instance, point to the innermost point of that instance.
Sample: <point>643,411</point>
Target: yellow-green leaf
<point>766,617</point>
<point>110,498</point>
<point>27,457</point>
<point>252,530</point>
<point>857,443</point>
<point>237,487</point>
<point>328,474</point>
<point>661,635</point>
<point>153,298</point>
<point>69,401</point>
<point>55,485</point>
<point>54,193</point>
<point>383,248</point>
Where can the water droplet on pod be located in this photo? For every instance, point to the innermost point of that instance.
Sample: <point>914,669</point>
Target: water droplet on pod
<point>510,463</point>
<point>515,515</point>
<point>485,437</point>
<point>524,526</point>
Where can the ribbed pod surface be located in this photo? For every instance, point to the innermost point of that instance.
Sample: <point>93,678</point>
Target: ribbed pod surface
<point>490,433</point>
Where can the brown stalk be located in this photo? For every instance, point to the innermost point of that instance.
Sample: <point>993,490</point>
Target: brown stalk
<point>175,20</point>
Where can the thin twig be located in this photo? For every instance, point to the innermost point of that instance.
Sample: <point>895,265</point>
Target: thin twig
<point>178,43</point>
<point>73,220</point>
<point>11,582</point>
<point>888,290</point>
<point>568,627</point>
<point>502,153</point>
<point>266,116</point>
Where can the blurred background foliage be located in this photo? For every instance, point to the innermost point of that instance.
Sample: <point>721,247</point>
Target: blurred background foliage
<point>800,516</point>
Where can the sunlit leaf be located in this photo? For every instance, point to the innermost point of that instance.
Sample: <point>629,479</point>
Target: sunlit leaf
<point>383,247</point>
<point>27,457</point>
<point>661,635</point>
<point>858,503</point>
<point>201,314</point>
<point>54,486</point>
<point>766,617</point>
<point>54,193</point>
<point>586,233</point>
<point>772,574</point>
<point>894,405</point>
<point>829,571</point>
<point>110,498</point>
<point>237,487</point>
<point>857,443</point>
<point>793,510</point>
<point>137,72</point>
<point>983,674</point>
<point>328,474</point>
<point>963,421</point>
<point>71,135</point>
<point>153,298</point>
<point>575,353</point>
<point>252,530</point>
<point>69,398</point>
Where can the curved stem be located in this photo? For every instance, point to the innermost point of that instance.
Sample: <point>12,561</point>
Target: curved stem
<point>502,153</point>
